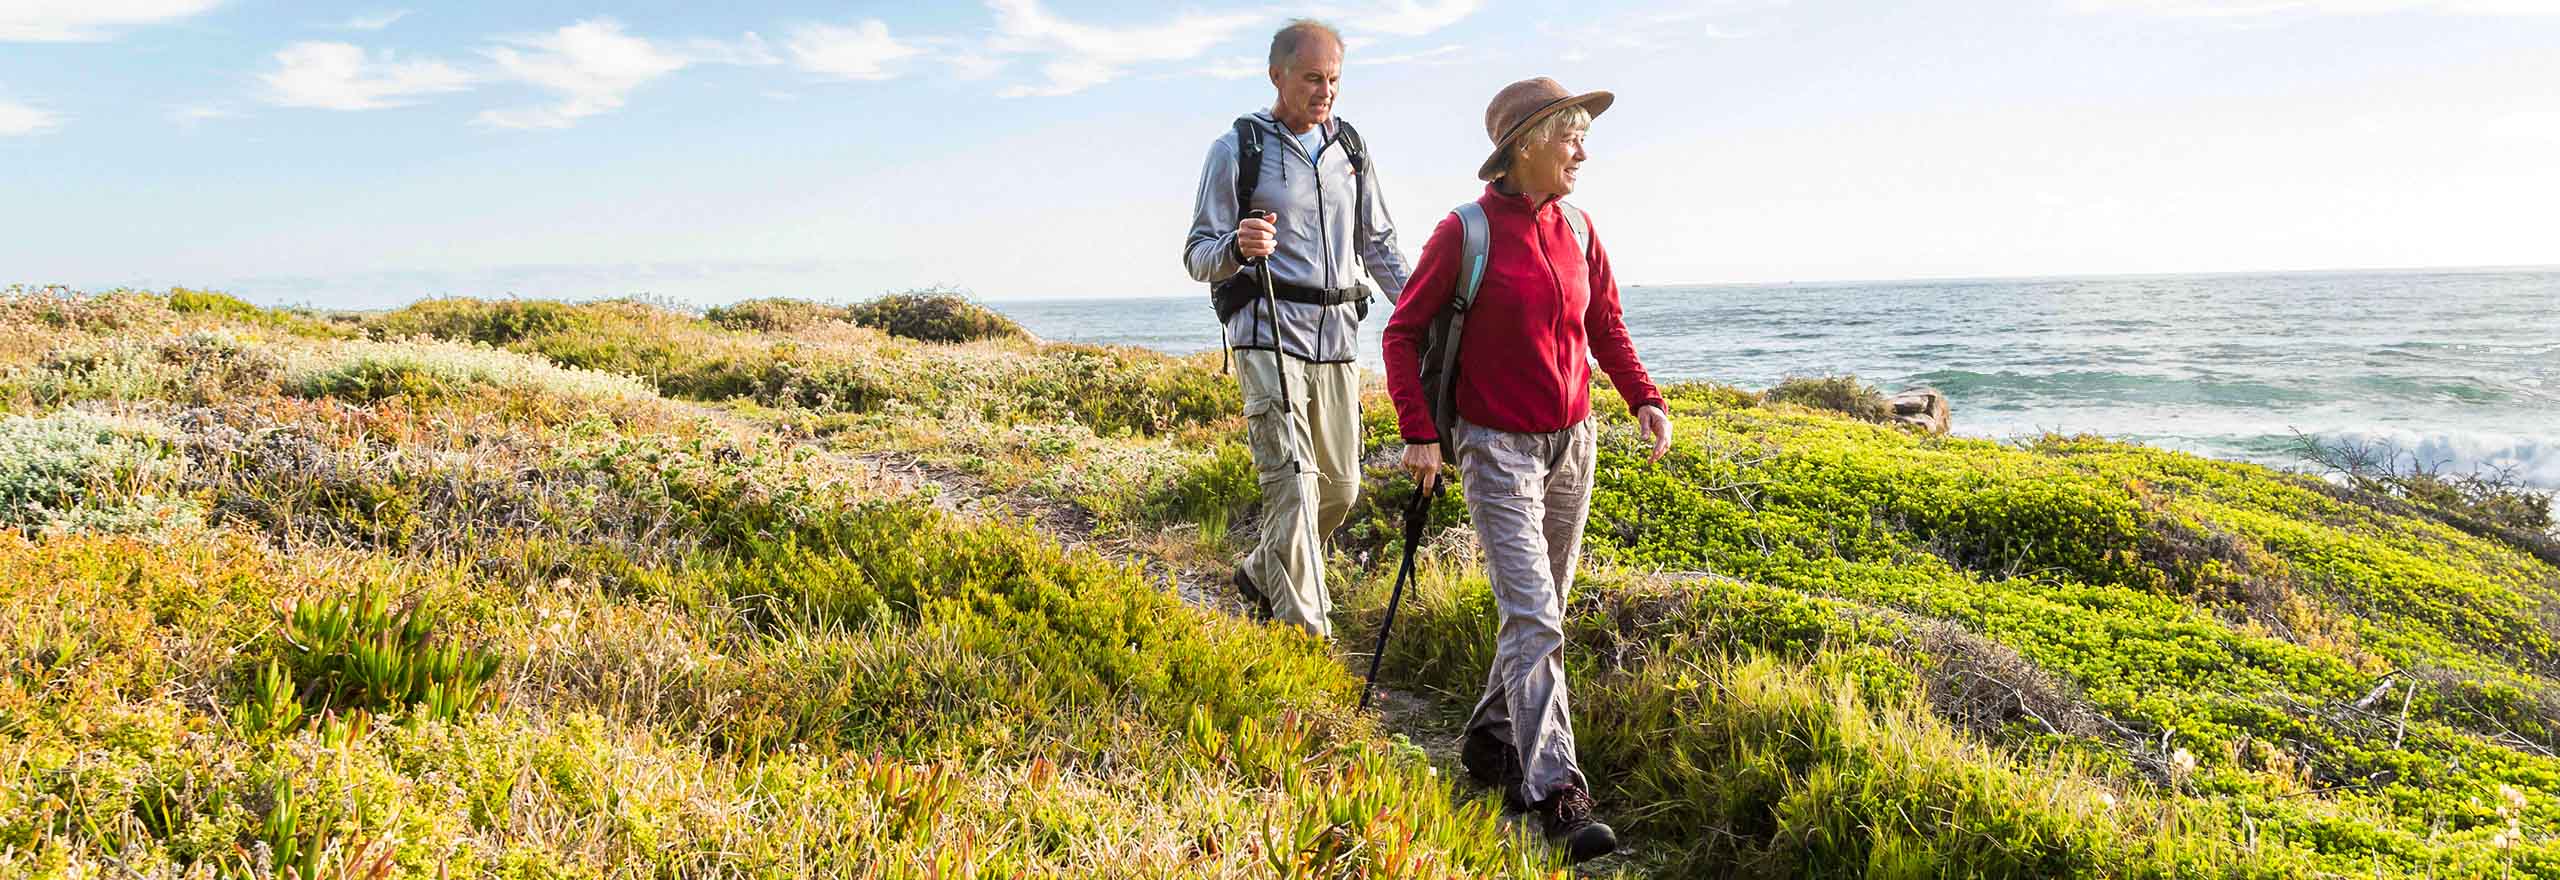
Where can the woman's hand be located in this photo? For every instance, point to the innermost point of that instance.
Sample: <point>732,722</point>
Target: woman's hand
<point>1651,421</point>
<point>1422,460</point>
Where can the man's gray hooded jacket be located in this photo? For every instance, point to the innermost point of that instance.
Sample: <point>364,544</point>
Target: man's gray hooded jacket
<point>1321,244</point>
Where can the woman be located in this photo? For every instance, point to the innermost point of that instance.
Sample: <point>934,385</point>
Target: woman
<point>1544,309</point>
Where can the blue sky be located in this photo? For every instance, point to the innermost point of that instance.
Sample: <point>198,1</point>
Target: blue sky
<point>368,155</point>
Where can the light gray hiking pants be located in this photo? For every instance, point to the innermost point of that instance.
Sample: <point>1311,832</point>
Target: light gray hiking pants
<point>1529,495</point>
<point>1308,459</point>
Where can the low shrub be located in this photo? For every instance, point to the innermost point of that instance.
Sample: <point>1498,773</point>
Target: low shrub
<point>773,315</point>
<point>489,322</point>
<point>299,322</point>
<point>1840,394</point>
<point>934,316</point>
<point>81,471</point>
<point>365,372</point>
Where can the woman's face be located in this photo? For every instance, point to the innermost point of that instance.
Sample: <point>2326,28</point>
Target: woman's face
<point>1550,165</point>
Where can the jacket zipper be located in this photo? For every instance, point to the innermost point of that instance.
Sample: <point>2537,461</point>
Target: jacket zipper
<point>1555,314</point>
<point>1324,314</point>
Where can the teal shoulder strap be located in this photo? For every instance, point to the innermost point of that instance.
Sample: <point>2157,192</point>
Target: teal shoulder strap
<point>1477,238</point>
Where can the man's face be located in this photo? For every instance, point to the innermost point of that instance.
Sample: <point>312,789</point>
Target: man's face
<point>1308,84</point>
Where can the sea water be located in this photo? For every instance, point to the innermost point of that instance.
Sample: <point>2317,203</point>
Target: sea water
<point>2454,369</point>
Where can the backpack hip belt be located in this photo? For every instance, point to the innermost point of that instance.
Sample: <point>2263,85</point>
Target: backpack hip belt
<point>1241,289</point>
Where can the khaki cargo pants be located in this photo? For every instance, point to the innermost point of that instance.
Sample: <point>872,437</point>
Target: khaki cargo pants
<point>1308,459</point>
<point>1529,495</point>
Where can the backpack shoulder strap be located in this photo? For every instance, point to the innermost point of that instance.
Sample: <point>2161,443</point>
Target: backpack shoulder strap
<point>1351,144</point>
<point>1248,161</point>
<point>1581,227</point>
<point>1477,238</point>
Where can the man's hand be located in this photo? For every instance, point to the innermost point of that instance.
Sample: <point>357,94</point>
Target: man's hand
<point>1422,460</point>
<point>1255,238</point>
<point>1653,423</point>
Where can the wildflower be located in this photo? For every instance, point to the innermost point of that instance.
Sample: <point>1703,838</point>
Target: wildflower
<point>2107,800</point>
<point>2183,761</point>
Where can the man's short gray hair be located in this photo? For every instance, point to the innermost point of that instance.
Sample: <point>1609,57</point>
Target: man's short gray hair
<point>1290,39</point>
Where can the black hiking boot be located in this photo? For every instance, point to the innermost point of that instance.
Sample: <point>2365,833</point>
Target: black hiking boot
<point>1569,824</point>
<point>1255,604</point>
<point>1494,764</point>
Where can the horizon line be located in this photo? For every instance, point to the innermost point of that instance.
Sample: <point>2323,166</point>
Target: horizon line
<point>1940,279</point>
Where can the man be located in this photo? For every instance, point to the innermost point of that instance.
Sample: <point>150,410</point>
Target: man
<point>1296,347</point>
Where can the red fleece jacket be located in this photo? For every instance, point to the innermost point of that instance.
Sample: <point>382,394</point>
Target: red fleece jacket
<point>1542,314</point>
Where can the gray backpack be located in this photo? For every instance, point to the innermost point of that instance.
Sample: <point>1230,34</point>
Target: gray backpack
<point>1440,344</point>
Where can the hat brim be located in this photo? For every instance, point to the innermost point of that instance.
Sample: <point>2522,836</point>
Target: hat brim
<point>1594,102</point>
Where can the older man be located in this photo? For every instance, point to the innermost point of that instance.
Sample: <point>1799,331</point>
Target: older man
<point>1292,232</point>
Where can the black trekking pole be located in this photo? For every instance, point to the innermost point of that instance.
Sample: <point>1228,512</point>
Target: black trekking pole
<point>1271,314</point>
<point>1416,515</point>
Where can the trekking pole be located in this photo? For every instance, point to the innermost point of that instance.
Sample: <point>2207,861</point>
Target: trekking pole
<point>1279,364</point>
<point>1416,515</point>
<point>1271,314</point>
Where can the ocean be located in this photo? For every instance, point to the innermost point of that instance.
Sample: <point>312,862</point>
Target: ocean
<point>2458,369</point>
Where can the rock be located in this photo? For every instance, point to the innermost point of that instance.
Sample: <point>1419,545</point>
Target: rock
<point>1923,408</point>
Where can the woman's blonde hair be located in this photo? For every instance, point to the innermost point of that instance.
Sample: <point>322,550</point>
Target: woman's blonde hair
<point>1570,120</point>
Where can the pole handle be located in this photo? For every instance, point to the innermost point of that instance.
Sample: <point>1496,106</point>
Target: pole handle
<point>1257,214</point>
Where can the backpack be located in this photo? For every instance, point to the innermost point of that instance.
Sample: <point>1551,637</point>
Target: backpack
<point>1249,159</point>
<point>1231,294</point>
<point>1440,342</point>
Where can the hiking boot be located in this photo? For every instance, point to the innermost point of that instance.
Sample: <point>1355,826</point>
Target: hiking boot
<point>1569,824</point>
<point>1256,604</point>
<point>1494,764</point>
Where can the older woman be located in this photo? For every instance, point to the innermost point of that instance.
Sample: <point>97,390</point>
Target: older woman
<point>1545,306</point>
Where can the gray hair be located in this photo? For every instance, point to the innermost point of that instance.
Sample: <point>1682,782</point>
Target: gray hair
<point>1286,43</point>
<point>1567,121</point>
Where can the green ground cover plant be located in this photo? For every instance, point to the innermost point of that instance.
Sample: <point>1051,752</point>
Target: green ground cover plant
<point>502,617</point>
<point>522,588</point>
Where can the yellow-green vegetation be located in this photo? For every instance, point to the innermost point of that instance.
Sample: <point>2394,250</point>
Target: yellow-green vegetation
<point>532,588</point>
<point>923,315</point>
<point>437,607</point>
<point>1848,648</point>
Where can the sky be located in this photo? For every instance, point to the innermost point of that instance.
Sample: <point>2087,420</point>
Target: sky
<point>361,156</point>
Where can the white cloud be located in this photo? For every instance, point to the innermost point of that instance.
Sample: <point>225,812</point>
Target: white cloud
<point>1653,29</point>
<point>2268,8</point>
<point>1410,18</point>
<point>19,119</point>
<point>592,65</point>
<point>1084,55</point>
<point>972,66</point>
<point>374,22</point>
<point>1235,68</point>
<point>341,76</point>
<point>863,50</point>
<point>1433,56</point>
<point>77,21</point>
